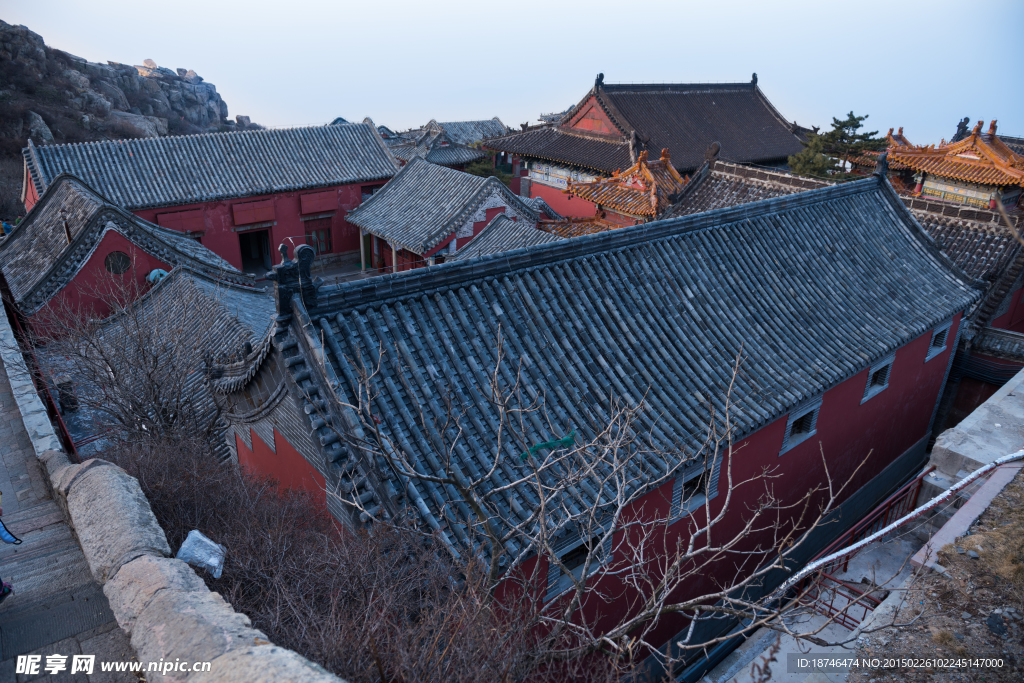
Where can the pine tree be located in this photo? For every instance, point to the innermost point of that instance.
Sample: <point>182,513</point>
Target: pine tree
<point>844,140</point>
<point>814,160</point>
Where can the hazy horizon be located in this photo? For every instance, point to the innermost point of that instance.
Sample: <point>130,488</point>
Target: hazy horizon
<point>404,64</point>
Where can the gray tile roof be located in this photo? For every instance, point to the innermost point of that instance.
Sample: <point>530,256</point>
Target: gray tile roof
<point>436,148</point>
<point>1000,343</point>
<point>981,249</point>
<point>809,289</point>
<point>684,118</point>
<point>217,317</point>
<point>37,260</point>
<point>565,146</point>
<point>723,184</point>
<point>188,169</point>
<point>503,234</point>
<point>425,203</point>
<point>471,132</point>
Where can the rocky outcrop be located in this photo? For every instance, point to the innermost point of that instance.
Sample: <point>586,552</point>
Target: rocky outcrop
<point>55,98</point>
<point>99,89</point>
<point>38,129</point>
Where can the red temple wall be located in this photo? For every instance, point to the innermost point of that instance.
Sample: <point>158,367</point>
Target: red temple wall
<point>572,207</point>
<point>1013,319</point>
<point>92,287</point>
<point>286,464</point>
<point>887,425</point>
<point>220,234</point>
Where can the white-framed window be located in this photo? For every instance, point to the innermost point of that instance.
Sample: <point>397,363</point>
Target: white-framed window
<point>940,340</point>
<point>575,560</point>
<point>878,377</point>
<point>801,425</point>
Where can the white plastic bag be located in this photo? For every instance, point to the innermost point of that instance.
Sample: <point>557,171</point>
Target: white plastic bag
<point>199,551</point>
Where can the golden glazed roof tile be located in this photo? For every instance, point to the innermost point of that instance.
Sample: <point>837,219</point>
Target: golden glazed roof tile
<point>642,190</point>
<point>979,158</point>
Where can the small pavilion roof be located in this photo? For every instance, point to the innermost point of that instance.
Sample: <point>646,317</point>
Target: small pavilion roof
<point>644,190</point>
<point>980,158</point>
<point>425,203</point>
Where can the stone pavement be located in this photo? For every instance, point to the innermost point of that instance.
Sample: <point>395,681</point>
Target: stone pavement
<point>57,608</point>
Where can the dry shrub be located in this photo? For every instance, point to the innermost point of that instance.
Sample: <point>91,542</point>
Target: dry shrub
<point>373,605</point>
<point>1002,536</point>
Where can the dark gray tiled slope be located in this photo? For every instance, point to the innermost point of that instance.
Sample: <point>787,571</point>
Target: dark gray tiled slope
<point>424,203</point>
<point>504,234</point>
<point>185,169</point>
<point>469,132</point>
<point>810,288</point>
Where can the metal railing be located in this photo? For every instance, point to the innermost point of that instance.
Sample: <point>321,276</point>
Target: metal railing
<point>848,604</point>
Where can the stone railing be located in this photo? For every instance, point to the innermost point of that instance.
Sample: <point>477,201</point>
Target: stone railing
<point>159,601</point>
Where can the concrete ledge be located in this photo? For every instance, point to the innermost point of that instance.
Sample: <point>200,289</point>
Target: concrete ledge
<point>111,517</point>
<point>288,667</point>
<point>33,412</point>
<point>995,428</point>
<point>960,522</point>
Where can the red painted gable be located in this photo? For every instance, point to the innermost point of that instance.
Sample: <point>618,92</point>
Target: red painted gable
<point>91,288</point>
<point>591,117</point>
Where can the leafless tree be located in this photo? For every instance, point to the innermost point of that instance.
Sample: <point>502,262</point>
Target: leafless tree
<point>136,374</point>
<point>627,563</point>
<point>468,600</point>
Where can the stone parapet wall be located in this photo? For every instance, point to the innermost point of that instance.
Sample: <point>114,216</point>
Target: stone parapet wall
<point>961,211</point>
<point>158,600</point>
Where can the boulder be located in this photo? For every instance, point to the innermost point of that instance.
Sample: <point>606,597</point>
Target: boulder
<point>192,77</point>
<point>134,125</point>
<point>38,130</point>
<point>18,44</point>
<point>117,98</point>
<point>150,63</point>
<point>97,103</point>
<point>76,78</point>
<point>242,121</point>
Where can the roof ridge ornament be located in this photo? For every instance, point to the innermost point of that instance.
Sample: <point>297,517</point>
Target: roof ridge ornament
<point>753,79</point>
<point>599,81</point>
<point>285,276</point>
<point>882,165</point>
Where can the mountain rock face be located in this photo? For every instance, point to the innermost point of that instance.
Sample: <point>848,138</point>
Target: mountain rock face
<point>96,90</point>
<point>55,98</point>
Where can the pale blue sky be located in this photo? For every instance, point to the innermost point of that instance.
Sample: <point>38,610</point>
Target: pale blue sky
<point>923,65</point>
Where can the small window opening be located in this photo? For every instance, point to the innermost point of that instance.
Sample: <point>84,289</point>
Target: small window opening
<point>803,424</point>
<point>688,495</point>
<point>880,377</point>
<point>117,262</point>
<point>939,340</point>
<point>577,557</point>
